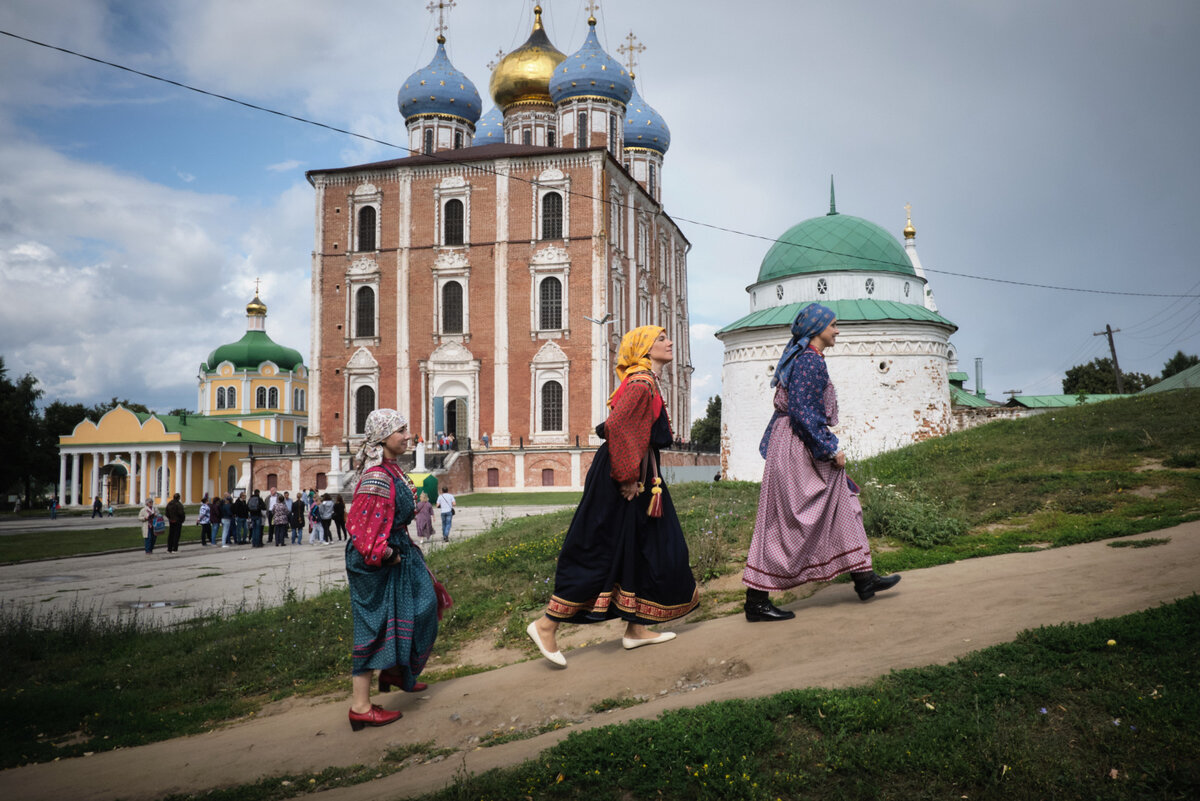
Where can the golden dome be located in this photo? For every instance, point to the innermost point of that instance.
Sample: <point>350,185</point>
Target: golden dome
<point>523,76</point>
<point>256,308</point>
<point>909,231</point>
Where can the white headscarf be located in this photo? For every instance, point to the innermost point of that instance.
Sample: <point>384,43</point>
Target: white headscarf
<point>381,424</point>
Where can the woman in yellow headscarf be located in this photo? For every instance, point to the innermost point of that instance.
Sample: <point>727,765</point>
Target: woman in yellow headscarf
<point>624,555</point>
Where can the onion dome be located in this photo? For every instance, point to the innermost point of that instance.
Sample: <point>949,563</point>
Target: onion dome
<point>909,231</point>
<point>523,76</point>
<point>591,71</point>
<point>644,127</point>
<point>256,308</point>
<point>439,89</point>
<point>252,350</point>
<point>832,243</point>
<point>490,128</point>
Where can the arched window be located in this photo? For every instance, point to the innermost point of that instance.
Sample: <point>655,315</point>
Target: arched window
<point>612,134</point>
<point>458,140</point>
<point>550,304</point>
<point>552,216</point>
<point>651,181</point>
<point>552,406</point>
<point>273,398</point>
<point>260,398</point>
<point>297,400</point>
<point>453,229</point>
<point>581,132</point>
<point>364,404</point>
<point>220,397</point>
<point>550,138</point>
<point>231,479</point>
<point>231,398</point>
<point>428,141</point>
<point>364,312</point>
<point>366,228</point>
<point>452,308</point>
<point>527,137</point>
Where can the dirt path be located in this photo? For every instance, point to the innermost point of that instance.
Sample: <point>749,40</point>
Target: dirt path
<point>933,617</point>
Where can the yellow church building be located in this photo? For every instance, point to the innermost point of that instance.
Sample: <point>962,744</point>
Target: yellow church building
<point>251,400</point>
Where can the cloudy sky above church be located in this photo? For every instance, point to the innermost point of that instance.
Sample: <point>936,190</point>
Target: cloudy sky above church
<point>1038,143</point>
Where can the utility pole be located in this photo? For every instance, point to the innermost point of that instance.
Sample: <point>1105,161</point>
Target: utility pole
<point>1109,331</point>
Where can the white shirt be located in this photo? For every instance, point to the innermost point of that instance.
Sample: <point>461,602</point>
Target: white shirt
<point>445,503</point>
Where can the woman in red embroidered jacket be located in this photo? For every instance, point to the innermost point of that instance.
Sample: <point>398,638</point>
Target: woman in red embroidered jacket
<point>392,596</point>
<point>624,555</point>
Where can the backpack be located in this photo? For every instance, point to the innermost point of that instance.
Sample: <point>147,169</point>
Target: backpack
<point>255,504</point>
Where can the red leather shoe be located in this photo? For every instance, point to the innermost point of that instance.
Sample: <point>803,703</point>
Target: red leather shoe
<point>390,678</point>
<point>378,716</point>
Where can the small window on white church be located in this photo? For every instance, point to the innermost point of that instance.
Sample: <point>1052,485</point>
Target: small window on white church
<point>298,400</point>
<point>231,398</point>
<point>870,286</point>
<point>906,288</point>
<point>260,398</point>
<point>272,398</point>
<point>364,312</point>
<point>822,286</point>
<point>452,308</point>
<point>550,303</point>
<point>552,216</point>
<point>552,406</point>
<point>779,291</point>
<point>366,228</point>
<point>364,404</point>
<point>453,229</point>
<point>220,397</point>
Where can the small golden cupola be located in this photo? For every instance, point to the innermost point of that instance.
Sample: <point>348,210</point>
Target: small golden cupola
<point>523,76</point>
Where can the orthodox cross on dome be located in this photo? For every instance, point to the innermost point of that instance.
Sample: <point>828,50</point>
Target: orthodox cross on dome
<point>441,7</point>
<point>499,57</point>
<point>630,51</point>
<point>257,281</point>
<point>592,7</point>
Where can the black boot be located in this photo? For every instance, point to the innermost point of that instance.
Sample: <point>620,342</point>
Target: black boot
<point>867,583</point>
<point>760,609</point>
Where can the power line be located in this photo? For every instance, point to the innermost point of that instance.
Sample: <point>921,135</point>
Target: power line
<point>473,166</point>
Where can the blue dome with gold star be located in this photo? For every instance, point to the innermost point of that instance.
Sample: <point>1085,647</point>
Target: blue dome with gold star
<point>591,71</point>
<point>490,128</point>
<point>644,127</point>
<point>440,89</point>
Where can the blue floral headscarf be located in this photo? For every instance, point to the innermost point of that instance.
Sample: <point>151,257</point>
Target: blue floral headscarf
<point>812,320</point>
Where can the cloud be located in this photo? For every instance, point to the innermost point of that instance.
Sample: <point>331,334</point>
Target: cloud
<point>284,166</point>
<point>186,177</point>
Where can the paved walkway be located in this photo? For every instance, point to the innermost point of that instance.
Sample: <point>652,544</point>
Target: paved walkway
<point>165,588</point>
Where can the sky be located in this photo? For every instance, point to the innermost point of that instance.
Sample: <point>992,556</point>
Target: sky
<point>1038,143</point>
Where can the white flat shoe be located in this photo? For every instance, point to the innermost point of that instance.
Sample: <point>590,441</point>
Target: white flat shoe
<point>554,656</point>
<point>630,643</point>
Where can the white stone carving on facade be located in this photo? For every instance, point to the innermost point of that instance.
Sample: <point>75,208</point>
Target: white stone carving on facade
<point>549,354</point>
<point>451,262</point>
<point>365,189</point>
<point>551,174</point>
<point>449,354</point>
<point>362,360</point>
<point>453,182</point>
<point>550,254</point>
<point>362,267</point>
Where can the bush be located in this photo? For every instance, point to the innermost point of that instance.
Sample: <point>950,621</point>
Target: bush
<point>911,517</point>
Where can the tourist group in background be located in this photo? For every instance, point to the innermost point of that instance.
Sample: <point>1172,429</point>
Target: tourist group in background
<point>277,518</point>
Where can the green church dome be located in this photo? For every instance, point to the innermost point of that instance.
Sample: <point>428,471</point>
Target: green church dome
<point>252,350</point>
<point>834,242</point>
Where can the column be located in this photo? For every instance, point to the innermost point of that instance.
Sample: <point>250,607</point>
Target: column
<point>143,469</point>
<point>185,486</point>
<point>76,489</point>
<point>164,472</point>
<point>62,479</point>
<point>95,475</point>
<point>204,457</point>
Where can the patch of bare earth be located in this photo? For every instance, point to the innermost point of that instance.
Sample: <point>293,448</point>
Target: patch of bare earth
<point>1149,492</point>
<point>1148,465</point>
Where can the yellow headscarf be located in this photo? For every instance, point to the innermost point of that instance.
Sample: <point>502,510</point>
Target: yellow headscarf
<point>634,356</point>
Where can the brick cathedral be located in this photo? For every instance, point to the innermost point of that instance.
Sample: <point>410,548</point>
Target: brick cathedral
<point>482,284</point>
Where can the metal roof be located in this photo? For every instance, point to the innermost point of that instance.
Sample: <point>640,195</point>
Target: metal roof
<point>960,397</point>
<point>846,310</point>
<point>199,428</point>
<point>1186,379</point>
<point>1056,401</point>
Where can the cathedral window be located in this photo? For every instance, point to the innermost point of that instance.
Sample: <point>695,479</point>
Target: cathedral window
<point>552,406</point>
<point>870,286</point>
<point>458,140</point>
<point>364,404</point>
<point>822,286</point>
<point>453,226</point>
<point>550,138</point>
<point>428,141</point>
<point>650,180</point>
<point>231,398</point>
<point>550,304</point>
<point>452,308</point>
<point>364,312</point>
<point>220,397</point>
<point>527,137</point>
<point>552,216</point>
<point>260,398</point>
<point>581,135</point>
<point>366,228</point>
<point>273,398</point>
<point>612,135</point>
<point>297,400</point>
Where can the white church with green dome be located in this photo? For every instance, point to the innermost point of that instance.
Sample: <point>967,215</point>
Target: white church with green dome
<point>891,363</point>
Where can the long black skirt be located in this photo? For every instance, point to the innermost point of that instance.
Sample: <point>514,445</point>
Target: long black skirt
<point>617,561</point>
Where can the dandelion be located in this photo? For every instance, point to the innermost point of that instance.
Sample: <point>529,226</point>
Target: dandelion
<point>1112,642</point>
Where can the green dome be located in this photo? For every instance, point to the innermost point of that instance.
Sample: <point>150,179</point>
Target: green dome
<point>252,350</point>
<point>834,242</point>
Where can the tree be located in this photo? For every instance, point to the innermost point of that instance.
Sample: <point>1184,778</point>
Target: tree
<point>19,429</point>
<point>1097,378</point>
<point>1178,363</point>
<point>706,432</point>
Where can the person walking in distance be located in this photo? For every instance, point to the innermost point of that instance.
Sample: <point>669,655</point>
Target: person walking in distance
<point>445,502</point>
<point>176,514</point>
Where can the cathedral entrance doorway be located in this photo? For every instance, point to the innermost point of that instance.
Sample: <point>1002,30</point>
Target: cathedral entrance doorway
<point>456,419</point>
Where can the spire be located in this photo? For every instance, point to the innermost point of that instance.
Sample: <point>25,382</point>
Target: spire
<point>832,203</point>
<point>537,18</point>
<point>440,6</point>
<point>591,7</point>
<point>909,231</point>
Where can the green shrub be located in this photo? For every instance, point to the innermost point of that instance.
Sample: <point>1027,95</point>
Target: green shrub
<point>911,517</point>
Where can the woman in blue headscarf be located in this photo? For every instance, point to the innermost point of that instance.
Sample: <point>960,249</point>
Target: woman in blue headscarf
<point>809,525</point>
